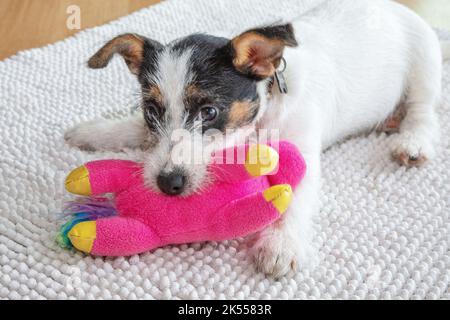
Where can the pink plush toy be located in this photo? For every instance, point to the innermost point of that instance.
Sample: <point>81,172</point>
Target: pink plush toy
<point>242,199</point>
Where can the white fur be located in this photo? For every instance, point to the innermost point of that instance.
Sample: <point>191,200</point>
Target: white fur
<point>357,60</point>
<point>172,77</point>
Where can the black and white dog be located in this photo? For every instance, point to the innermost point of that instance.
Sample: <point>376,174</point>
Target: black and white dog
<point>349,65</point>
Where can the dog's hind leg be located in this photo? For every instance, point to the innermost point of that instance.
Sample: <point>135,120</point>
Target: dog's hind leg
<point>419,130</point>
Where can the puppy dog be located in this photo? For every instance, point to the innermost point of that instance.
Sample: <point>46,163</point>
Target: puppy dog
<point>349,65</point>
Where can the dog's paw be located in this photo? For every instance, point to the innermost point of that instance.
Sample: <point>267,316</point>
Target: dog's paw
<point>275,254</point>
<point>411,151</point>
<point>81,136</point>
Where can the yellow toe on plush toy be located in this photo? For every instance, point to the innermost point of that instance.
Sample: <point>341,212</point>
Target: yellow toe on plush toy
<point>280,196</point>
<point>261,160</point>
<point>83,235</point>
<point>77,182</point>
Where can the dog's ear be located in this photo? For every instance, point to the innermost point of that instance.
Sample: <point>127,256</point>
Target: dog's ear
<point>130,46</point>
<point>258,52</point>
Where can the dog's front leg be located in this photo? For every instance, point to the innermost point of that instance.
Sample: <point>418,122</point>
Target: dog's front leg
<point>287,242</point>
<point>112,135</point>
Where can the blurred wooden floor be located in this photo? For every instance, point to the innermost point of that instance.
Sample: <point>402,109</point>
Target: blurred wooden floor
<point>27,24</point>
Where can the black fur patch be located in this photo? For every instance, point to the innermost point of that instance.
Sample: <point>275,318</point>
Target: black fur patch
<point>151,50</point>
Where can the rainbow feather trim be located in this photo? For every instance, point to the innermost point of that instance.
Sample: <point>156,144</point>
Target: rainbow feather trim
<point>83,209</point>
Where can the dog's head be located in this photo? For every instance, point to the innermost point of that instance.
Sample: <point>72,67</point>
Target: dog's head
<point>202,85</point>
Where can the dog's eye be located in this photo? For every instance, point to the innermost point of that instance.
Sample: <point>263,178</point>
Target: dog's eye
<point>152,114</point>
<point>208,113</point>
<point>152,108</point>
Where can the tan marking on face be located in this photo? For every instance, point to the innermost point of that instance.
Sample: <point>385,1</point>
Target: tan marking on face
<point>195,96</point>
<point>155,93</point>
<point>240,113</point>
<point>259,54</point>
<point>193,90</point>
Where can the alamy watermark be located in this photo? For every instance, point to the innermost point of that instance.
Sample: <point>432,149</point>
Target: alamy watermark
<point>73,21</point>
<point>195,148</point>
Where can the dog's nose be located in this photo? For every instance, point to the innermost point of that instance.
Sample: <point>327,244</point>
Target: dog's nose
<point>171,183</point>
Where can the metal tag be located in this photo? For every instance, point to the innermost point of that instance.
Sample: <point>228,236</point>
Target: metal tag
<point>279,78</point>
<point>281,82</point>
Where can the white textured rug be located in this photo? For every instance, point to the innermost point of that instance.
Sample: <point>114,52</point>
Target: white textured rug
<point>383,231</point>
